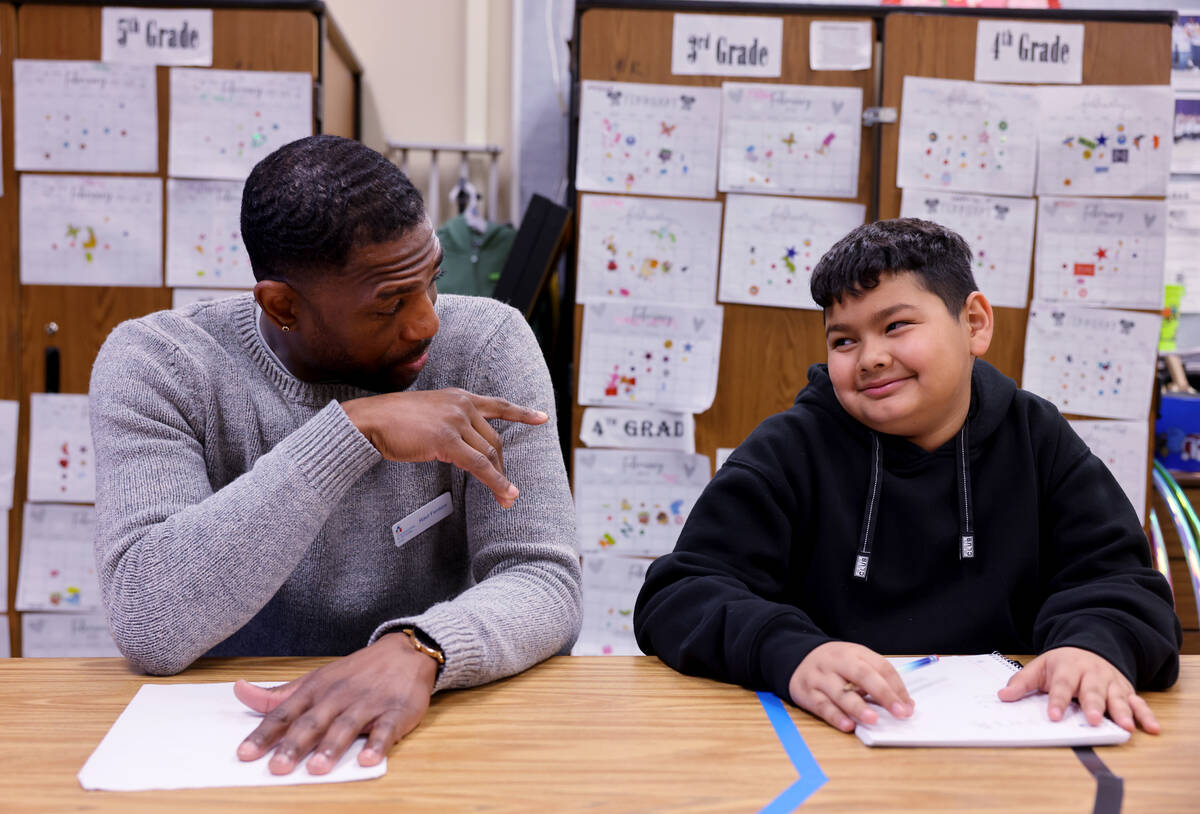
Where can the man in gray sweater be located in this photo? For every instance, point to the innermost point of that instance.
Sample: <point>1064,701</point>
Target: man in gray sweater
<point>331,467</point>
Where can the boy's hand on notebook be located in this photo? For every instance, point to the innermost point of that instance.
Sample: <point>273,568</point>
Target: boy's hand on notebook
<point>1071,672</point>
<point>382,690</point>
<point>832,679</point>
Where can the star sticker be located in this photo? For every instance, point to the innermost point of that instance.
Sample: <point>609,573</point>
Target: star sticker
<point>1102,139</point>
<point>1101,254</point>
<point>72,231</point>
<point>790,140</point>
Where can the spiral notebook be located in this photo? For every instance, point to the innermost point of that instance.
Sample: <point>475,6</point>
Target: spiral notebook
<point>956,705</point>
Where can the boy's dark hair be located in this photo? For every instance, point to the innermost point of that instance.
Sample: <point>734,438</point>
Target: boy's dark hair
<point>306,205</point>
<point>939,257</point>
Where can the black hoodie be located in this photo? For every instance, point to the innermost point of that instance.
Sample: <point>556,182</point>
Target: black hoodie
<point>1044,551</point>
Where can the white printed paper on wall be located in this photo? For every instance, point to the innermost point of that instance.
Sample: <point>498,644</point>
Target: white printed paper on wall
<point>91,230</point>
<point>5,644</point>
<point>225,122</point>
<point>630,428</point>
<point>61,635</point>
<point>1105,140</point>
<point>85,116</point>
<point>1124,448</point>
<point>1091,361</point>
<point>204,235</point>
<point>1183,248</point>
<point>771,245</point>
<point>648,250</point>
<point>726,45</point>
<point>634,501</point>
<point>4,566</point>
<point>648,139</point>
<point>61,461</point>
<point>1101,251</point>
<point>58,565</point>
<point>790,139</point>
<point>8,451</point>
<point>662,356</point>
<point>610,589</point>
<point>967,136</point>
<point>998,230</point>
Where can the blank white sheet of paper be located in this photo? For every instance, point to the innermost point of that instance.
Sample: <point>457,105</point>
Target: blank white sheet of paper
<point>635,501</point>
<point>66,635</point>
<point>658,355</point>
<point>1124,447</point>
<point>771,244</point>
<point>8,451</point>
<point>85,116</point>
<point>61,462</point>
<point>204,235</point>
<point>610,589</point>
<point>1091,361</point>
<point>1183,248</point>
<point>58,561</point>
<point>648,250</point>
<point>225,122</point>
<point>132,757</point>
<point>998,230</point>
<point>790,139</point>
<point>1101,252</point>
<point>91,230</point>
<point>648,139</point>
<point>967,136</point>
<point>4,564</point>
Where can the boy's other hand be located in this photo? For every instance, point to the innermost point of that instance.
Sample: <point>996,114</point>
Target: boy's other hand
<point>832,679</point>
<point>1070,672</point>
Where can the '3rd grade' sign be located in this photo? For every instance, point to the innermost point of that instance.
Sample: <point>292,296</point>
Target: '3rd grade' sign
<point>720,45</point>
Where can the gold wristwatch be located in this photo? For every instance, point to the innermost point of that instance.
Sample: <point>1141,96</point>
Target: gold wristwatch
<point>421,647</point>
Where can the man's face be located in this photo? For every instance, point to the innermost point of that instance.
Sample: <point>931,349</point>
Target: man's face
<point>900,362</point>
<point>371,323</point>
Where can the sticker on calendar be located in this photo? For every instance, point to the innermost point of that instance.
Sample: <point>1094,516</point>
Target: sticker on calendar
<point>432,513</point>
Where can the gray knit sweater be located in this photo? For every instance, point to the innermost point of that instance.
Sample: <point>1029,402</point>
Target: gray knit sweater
<point>239,512</point>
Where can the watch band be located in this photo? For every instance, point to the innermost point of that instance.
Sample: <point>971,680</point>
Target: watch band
<point>421,647</point>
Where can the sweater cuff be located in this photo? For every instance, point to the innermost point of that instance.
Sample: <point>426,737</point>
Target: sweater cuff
<point>1098,635</point>
<point>330,451</point>
<point>456,638</point>
<point>783,644</point>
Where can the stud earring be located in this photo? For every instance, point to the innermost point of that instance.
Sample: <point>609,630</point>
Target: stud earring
<point>287,329</point>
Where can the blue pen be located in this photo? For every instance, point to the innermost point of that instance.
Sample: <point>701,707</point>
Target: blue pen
<point>916,663</point>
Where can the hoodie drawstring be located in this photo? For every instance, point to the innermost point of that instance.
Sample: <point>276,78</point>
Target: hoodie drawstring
<point>863,560</point>
<point>966,526</point>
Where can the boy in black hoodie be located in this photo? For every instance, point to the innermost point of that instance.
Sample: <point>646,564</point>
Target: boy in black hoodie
<point>913,500</point>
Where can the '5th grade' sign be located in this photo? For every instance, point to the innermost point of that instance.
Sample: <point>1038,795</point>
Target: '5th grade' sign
<point>155,36</point>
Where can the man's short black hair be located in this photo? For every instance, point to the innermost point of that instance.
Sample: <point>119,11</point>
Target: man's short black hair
<point>306,205</point>
<point>939,257</point>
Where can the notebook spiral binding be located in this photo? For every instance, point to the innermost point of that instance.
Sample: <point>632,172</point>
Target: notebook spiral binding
<point>1013,663</point>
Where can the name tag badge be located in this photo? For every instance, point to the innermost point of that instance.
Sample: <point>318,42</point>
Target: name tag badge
<point>428,515</point>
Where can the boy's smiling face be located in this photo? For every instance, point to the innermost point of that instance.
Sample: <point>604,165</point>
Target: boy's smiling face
<point>901,362</point>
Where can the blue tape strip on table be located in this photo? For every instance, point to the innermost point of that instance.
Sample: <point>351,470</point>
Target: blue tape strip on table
<point>811,776</point>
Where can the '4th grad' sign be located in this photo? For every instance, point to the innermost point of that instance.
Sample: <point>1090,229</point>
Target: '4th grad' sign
<point>719,45</point>
<point>1013,51</point>
<point>153,36</point>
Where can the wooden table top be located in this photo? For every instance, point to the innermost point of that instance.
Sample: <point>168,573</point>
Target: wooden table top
<point>595,734</point>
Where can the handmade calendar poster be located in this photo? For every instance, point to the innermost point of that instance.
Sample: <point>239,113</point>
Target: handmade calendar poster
<point>84,116</point>
<point>648,250</point>
<point>790,139</point>
<point>61,460</point>
<point>204,235</point>
<point>657,355</point>
<point>634,501</point>
<point>1124,448</point>
<point>183,297</point>
<point>58,635</point>
<point>1105,140</point>
<point>8,452</point>
<point>610,589</point>
<point>1101,251</point>
<point>648,139</point>
<point>225,122</point>
<point>998,230</point>
<point>967,136</point>
<point>91,230</point>
<point>771,245</point>
<point>58,565</point>
<point>1091,361</point>
<point>1183,248</point>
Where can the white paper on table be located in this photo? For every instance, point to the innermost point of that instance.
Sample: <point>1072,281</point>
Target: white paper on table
<point>91,230</point>
<point>1124,446</point>
<point>663,356</point>
<point>1100,252</point>
<point>61,460</point>
<point>5,643</point>
<point>85,116</point>
<point>998,230</point>
<point>1091,361</point>
<point>58,561</point>
<point>967,136</point>
<point>8,451</point>
<point>790,139</point>
<point>634,501</point>
<point>1105,140</point>
<point>225,122</point>
<point>638,429</point>
<point>1183,248</point>
<point>61,635</point>
<point>204,235</point>
<point>610,589</point>
<point>132,758</point>
<point>648,139</point>
<point>183,297</point>
<point>648,249</point>
<point>835,45</point>
<point>771,245</point>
